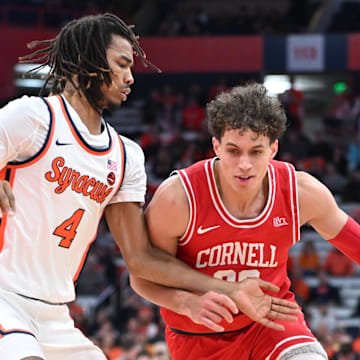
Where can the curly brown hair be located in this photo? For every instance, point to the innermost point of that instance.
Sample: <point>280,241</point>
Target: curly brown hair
<point>246,107</point>
<point>78,55</point>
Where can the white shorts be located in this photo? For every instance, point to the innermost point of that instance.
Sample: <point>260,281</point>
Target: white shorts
<point>34,328</point>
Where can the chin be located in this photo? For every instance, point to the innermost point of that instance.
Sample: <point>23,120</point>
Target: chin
<point>112,106</point>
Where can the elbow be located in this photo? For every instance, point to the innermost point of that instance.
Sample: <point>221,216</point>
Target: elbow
<point>135,267</point>
<point>133,283</point>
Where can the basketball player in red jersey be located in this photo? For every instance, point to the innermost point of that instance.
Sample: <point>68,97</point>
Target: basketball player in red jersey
<point>235,217</point>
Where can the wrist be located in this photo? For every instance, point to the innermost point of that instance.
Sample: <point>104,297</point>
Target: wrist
<point>186,300</point>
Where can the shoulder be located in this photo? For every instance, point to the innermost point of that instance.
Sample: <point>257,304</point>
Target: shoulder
<point>132,148</point>
<point>29,103</point>
<point>169,205</point>
<point>27,108</point>
<point>314,196</point>
<point>170,193</point>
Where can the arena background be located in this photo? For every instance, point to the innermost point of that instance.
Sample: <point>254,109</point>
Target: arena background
<point>305,52</point>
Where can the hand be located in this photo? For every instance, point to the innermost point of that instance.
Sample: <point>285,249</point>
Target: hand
<point>260,307</point>
<point>7,199</point>
<point>209,309</point>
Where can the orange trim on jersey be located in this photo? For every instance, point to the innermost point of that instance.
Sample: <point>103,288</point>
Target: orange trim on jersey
<point>122,151</point>
<point>11,331</point>
<point>78,271</point>
<point>76,136</point>
<point>46,148</point>
<point>4,216</point>
<point>2,174</point>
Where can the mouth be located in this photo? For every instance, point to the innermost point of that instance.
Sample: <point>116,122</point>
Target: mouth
<point>124,94</point>
<point>244,178</point>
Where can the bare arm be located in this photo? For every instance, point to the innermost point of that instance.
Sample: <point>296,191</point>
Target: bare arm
<point>207,309</point>
<point>127,224</point>
<point>318,207</point>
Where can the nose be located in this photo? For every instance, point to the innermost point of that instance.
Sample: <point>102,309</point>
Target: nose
<point>129,79</point>
<point>244,163</point>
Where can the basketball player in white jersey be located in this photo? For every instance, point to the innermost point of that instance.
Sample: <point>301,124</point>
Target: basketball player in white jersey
<point>62,166</point>
<point>236,216</point>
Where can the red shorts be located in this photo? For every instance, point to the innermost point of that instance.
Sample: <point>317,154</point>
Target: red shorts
<point>255,342</point>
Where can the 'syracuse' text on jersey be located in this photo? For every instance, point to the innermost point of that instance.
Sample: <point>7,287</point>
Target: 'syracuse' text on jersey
<point>60,196</point>
<point>220,245</point>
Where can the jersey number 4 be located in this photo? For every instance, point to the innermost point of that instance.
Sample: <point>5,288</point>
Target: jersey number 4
<point>67,229</point>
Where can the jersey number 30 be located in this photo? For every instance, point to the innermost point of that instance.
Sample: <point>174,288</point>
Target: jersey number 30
<point>67,229</point>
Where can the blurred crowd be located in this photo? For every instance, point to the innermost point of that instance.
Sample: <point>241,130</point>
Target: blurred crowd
<point>186,17</point>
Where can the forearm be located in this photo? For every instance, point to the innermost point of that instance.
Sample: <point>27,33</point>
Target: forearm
<point>170,298</point>
<point>160,267</point>
<point>348,240</point>
<point>146,261</point>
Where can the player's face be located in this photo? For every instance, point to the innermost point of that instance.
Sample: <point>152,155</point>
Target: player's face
<point>244,157</point>
<point>120,58</point>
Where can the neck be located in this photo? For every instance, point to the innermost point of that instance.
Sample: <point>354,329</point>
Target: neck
<point>88,115</point>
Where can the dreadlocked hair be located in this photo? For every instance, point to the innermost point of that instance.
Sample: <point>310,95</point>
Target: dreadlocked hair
<point>78,55</point>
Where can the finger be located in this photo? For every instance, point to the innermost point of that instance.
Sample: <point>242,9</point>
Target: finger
<point>285,309</point>
<point>284,303</point>
<point>211,325</point>
<point>208,314</point>
<point>271,324</point>
<point>221,311</point>
<point>227,302</point>
<point>279,316</point>
<point>268,286</point>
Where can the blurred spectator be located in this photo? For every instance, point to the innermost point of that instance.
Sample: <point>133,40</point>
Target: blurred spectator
<point>338,122</point>
<point>293,101</point>
<point>129,349</point>
<point>332,179</point>
<point>108,339</point>
<point>324,293</point>
<point>160,350</point>
<point>337,264</point>
<point>92,279</point>
<point>294,147</point>
<point>309,259</point>
<point>220,86</point>
<point>351,191</point>
<point>298,286</point>
<point>322,317</point>
<point>193,115</point>
<point>143,355</point>
<point>346,352</point>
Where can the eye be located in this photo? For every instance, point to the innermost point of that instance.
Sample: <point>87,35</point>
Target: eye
<point>233,151</point>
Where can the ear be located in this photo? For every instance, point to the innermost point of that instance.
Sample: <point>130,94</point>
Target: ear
<point>216,145</point>
<point>274,148</point>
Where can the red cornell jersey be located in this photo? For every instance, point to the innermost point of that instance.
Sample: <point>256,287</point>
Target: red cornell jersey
<point>218,244</point>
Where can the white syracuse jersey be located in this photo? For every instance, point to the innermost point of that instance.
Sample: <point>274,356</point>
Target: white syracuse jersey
<point>60,193</point>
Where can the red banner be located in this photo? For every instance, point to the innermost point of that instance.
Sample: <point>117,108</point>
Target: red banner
<point>204,54</point>
<point>171,55</point>
<point>354,52</point>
